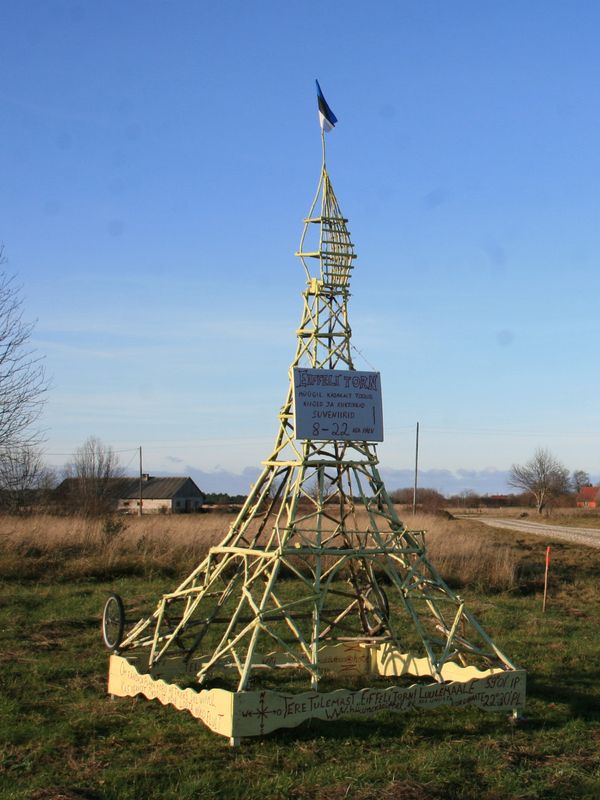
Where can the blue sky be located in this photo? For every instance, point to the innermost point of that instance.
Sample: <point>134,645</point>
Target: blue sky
<point>158,157</point>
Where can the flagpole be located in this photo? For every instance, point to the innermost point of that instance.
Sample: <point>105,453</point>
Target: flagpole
<point>323,145</point>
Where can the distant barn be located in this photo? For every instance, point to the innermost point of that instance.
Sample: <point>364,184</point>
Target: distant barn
<point>159,495</point>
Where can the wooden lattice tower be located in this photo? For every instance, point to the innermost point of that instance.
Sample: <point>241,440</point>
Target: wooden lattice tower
<point>319,514</point>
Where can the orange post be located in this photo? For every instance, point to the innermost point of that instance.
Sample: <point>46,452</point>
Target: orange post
<point>546,578</point>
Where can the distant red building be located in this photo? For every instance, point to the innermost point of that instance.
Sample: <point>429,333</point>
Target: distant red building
<point>589,497</point>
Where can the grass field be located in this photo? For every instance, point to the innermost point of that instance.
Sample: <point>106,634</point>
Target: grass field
<point>63,739</point>
<point>59,548</point>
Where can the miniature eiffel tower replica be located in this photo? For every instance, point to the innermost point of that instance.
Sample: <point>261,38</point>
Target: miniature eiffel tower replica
<point>298,588</point>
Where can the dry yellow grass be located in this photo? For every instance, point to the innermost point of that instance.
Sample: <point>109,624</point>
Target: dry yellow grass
<point>76,547</point>
<point>468,554</point>
<point>81,546</point>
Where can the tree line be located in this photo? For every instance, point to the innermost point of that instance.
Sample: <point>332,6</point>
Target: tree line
<point>546,479</point>
<point>543,482</point>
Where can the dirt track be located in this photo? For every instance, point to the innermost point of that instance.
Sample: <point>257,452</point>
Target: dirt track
<point>587,536</point>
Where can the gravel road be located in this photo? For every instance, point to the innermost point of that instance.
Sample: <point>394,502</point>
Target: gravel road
<point>587,536</point>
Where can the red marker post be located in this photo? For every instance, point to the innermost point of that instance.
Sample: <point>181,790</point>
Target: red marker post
<point>546,578</point>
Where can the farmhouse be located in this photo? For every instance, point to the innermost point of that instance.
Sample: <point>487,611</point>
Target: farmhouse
<point>589,497</point>
<point>159,495</point>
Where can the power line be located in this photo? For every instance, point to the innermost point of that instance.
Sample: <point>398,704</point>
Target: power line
<point>196,444</point>
<point>364,358</point>
<point>74,452</point>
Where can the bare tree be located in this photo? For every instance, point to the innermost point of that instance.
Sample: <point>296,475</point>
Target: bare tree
<point>580,479</point>
<point>94,469</point>
<point>24,479</point>
<point>469,499</point>
<point>22,379</point>
<point>544,477</point>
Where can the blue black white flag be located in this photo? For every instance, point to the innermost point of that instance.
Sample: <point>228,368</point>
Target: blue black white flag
<point>326,116</point>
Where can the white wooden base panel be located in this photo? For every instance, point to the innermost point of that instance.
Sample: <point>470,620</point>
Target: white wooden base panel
<point>254,713</point>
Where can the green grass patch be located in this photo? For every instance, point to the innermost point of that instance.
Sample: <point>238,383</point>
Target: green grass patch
<point>62,738</point>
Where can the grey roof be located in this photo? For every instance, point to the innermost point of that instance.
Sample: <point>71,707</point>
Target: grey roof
<point>152,488</point>
<point>158,488</point>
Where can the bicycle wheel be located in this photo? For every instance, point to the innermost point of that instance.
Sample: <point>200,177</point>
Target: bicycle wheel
<point>377,609</point>
<point>113,622</point>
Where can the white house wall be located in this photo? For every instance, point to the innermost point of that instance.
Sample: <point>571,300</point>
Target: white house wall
<point>175,506</point>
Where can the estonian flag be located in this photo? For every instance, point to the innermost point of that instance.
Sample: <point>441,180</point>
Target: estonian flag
<point>326,115</point>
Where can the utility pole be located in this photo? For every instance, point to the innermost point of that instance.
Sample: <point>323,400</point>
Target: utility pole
<point>141,483</point>
<point>416,471</point>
